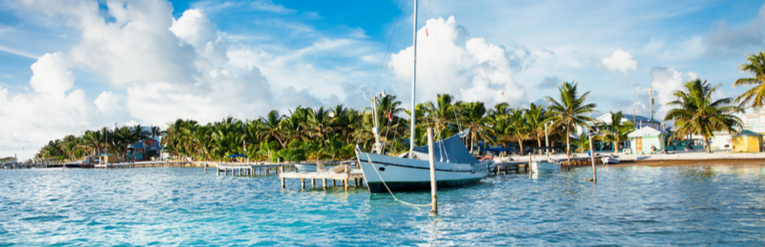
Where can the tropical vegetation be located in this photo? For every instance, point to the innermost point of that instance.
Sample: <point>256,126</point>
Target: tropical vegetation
<point>571,111</point>
<point>697,113</point>
<point>322,133</point>
<point>616,131</point>
<point>333,133</point>
<point>755,95</point>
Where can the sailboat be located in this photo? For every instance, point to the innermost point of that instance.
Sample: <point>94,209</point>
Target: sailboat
<point>454,165</point>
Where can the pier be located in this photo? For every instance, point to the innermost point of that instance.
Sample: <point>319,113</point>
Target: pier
<point>342,173</point>
<point>247,169</point>
<point>141,164</point>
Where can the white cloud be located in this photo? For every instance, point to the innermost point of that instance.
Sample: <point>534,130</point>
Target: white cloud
<point>51,75</point>
<point>475,71</point>
<point>620,61</point>
<point>665,81</point>
<point>196,29</point>
<point>161,69</point>
<point>31,119</point>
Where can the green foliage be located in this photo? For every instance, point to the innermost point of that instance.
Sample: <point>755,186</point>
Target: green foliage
<point>617,130</point>
<point>697,113</point>
<point>570,110</point>
<point>755,95</point>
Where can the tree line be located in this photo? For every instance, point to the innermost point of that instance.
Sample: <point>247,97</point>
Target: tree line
<point>333,133</point>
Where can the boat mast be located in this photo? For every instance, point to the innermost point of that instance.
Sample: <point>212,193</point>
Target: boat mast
<point>414,82</point>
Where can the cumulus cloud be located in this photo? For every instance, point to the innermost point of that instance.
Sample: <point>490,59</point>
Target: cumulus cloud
<point>620,61</point>
<point>53,108</point>
<point>160,69</point>
<point>473,71</point>
<point>664,82</point>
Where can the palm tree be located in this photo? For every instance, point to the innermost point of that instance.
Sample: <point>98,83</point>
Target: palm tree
<point>518,130</point>
<point>536,118</point>
<point>616,130</point>
<point>697,113</point>
<point>582,143</point>
<point>442,113</point>
<point>756,94</point>
<point>319,123</point>
<point>473,116</point>
<point>155,131</point>
<point>271,126</point>
<point>569,112</point>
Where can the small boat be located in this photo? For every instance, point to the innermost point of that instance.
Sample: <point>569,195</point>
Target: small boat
<point>80,165</point>
<point>303,168</point>
<point>641,157</point>
<point>544,166</point>
<point>613,159</point>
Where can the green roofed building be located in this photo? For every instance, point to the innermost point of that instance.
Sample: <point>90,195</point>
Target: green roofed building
<point>642,139</point>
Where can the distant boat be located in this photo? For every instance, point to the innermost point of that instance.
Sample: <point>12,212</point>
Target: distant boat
<point>641,157</point>
<point>84,163</point>
<point>79,165</point>
<point>543,166</point>
<point>546,165</point>
<point>612,159</point>
<point>303,168</point>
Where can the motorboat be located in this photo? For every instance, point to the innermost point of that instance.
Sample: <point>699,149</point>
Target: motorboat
<point>303,168</point>
<point>611,159</point>
<point>544,166</point>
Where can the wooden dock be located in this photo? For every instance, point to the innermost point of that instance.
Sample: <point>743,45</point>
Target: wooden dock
<point>248,169</point>
<point>344,177</point>
<point>517,166</point>
<point>142,164</point>
<point>511,165</point>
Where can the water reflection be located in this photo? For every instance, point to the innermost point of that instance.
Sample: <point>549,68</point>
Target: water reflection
<point>630,205</point>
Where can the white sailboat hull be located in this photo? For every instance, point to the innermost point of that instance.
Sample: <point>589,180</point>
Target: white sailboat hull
<point>401,174</point>
<point>544,167</point>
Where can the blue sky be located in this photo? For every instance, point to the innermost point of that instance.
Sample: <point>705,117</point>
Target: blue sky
<point>152,61</point>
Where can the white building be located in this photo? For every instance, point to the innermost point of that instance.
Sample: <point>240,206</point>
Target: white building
<point>638,120</point>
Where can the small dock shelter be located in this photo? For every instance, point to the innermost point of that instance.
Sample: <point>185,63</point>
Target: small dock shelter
<point>747,142</point>
<point>645,137</point>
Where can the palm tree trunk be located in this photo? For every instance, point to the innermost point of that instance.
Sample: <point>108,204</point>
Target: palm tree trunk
<point>568,141</point>
<point>520,143</point>
<point>539,143</point>
<point>616,147</point>
<point>471,143</point>
<point>706,141</point>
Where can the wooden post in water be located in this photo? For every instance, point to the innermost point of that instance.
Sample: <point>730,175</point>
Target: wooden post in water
<point>432,161</point>
<point>324,183</point>
<point>282,168</point>
<point>592,158</point>
<point>347,179</point>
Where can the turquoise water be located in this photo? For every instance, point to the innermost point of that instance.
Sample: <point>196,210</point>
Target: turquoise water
<point>184,206</point>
